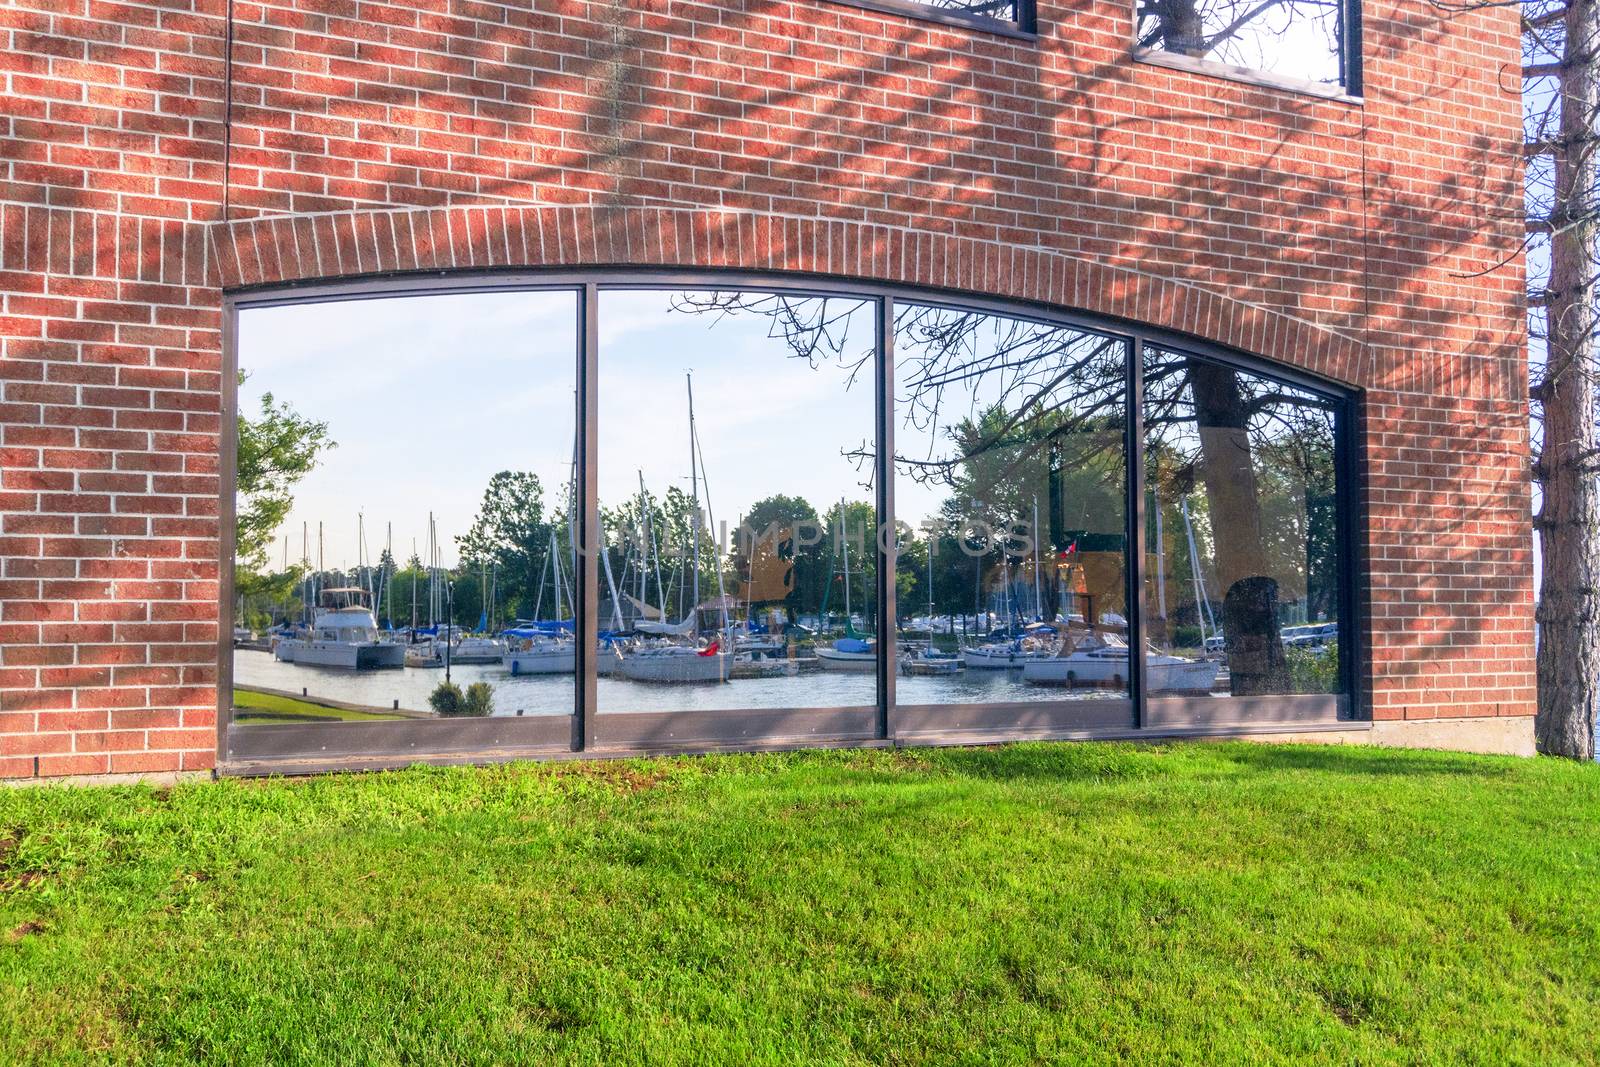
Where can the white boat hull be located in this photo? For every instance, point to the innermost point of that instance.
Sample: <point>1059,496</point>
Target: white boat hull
<point>541,661</point>
<point>831,659</point>
<point>676,666</point>
<point>423,656</point>
<point>475,658</point>
<point>1162,674</point>
<point>1188,676</point>
<point>358,657</point>
<point>930,668</point>
<point>998,659</point>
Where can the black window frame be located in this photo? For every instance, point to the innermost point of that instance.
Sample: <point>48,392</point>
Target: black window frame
<point>1347,89</point>
<point>1025,26</point>
<point>307,748</point>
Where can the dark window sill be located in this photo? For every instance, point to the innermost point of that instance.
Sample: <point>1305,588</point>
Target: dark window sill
<point>1245,75</point>
<point>913,10</point>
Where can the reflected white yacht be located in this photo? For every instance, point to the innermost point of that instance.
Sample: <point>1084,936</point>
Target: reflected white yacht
<point>1002,655</point>
<point>424,654</point>
<point>668,662</point>
<point>928,661</point>
<point>1102,659</point>
<point>849,654</point>
<point>471,649</point>
<point>542,654</point>
<point>345,634</point>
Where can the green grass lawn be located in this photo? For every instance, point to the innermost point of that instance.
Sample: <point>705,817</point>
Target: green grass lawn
<point>1217,902</point>
<point>253,706</point>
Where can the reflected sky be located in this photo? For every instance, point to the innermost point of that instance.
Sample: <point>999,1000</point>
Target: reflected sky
<point>429,396</point>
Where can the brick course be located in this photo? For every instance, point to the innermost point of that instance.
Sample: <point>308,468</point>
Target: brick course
<point>145,168</point>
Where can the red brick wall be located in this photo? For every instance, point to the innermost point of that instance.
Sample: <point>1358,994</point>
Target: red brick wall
<point>140,175</point>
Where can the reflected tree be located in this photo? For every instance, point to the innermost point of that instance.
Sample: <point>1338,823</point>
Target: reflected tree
<point>512,533</point>
<point>1305,38</point>
<point>1004,403</point>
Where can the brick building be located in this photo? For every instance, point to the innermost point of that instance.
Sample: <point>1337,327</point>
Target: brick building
<point>166,165</point>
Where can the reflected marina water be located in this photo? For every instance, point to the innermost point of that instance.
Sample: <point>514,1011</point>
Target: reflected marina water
<point>553,694</point>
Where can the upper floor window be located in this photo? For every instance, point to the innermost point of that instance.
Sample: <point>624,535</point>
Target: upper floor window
<point>1010,17</point>
<point>1292,41</point>
<point>999,10</point>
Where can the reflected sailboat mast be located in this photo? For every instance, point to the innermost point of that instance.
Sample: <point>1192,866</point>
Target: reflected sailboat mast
<point>694,508</point>
<point>1161,564</point>
<point>562,589</point>
<point>611,583</point>
<point>711,525</point>
<point>363,572</point>
<point>1038,597</point>
<point>388,583</point>
<point>844,541</point>
<point>538,598</point>
<point>1199,583</point>
<point>572,508</point>
<point>655,549</point>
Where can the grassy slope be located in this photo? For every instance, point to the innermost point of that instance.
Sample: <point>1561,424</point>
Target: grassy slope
<point>1042,901</point>
<point>270,707</point>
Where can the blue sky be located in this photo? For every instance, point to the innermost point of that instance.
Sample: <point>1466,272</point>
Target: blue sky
<point>429,396</point>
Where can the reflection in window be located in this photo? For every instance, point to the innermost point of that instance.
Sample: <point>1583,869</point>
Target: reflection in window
<point>1010,471</point>
<point>736,492</point>
<point>1301,39</point>
<point>1242,579</point>
<point>996,10</point>
<point>431,538</point>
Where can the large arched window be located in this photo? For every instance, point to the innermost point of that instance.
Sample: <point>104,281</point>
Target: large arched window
<point>633,514</point>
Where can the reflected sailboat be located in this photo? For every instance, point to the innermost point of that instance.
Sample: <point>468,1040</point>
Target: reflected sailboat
<point>543,647</point>
<point>850,652</point>
<point>664,656</point>
<point>1009,653</point>
<point>1102,659</point>
<point>928,660</point>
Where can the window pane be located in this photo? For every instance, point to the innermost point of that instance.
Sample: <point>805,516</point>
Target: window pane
<point>1010,470</point>
<point>433,526</point>
<point>1242,591</point>
<point>768,600</point>
<point>1001,10</point>
<point>1297,38</point>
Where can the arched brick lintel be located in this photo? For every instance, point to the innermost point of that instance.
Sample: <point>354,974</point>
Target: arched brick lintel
<point>283,249</point>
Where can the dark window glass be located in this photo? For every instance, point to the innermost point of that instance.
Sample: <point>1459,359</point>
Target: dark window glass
<point>737,449</point>
<point>1000,10</point>
<point>1299,39</point>
<point>1242,582</point>
<point>1010,479</point>
<point>1000,13</point>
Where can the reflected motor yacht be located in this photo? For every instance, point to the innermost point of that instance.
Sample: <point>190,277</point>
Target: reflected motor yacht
<point>344,634</point>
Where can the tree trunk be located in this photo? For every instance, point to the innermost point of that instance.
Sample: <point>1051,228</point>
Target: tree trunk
<point>1256,661</point>
<point>1569,514</point>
